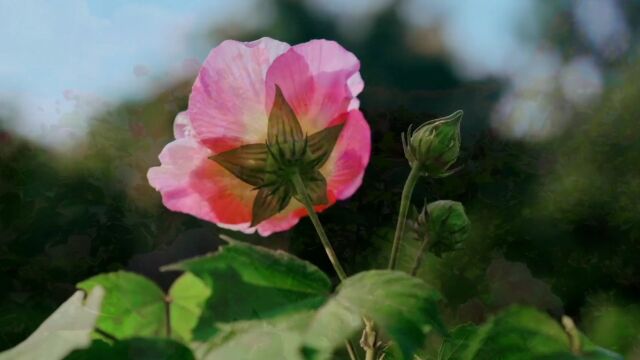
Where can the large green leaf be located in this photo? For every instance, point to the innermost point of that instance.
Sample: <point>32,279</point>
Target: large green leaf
<point>250,282</point>
<point>135,306</point>
<point>68,328</point>
<point>260,266</point>
<point>401,306</point>
<point>276,338</point>
<point>518,333</point>
<point>135,348</point>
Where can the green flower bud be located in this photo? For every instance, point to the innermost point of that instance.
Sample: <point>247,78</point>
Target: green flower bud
<point>434,146</point>
<point>443,224</point>
<point>448,225</point>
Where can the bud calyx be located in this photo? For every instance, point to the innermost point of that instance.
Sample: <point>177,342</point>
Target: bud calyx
<point>271,166</point>
<point>434,146</point>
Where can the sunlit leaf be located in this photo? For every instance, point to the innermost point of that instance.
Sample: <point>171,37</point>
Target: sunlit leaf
<point>250,282</point>
<point>188,295</point>
<point>68,328</point>
<point>134,306</point>
<point>277,338</point>
<point>401,306</point>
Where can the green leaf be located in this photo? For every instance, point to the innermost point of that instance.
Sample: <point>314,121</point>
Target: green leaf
<point>283,124</point>
<point>68,328</point>
<point>321,145</point>
<point>334,323</point>
<point>401,306</point>
<point>188,295</point>
<point>250,282</point>
<point>134,306</point>
<point>518,333</point>
<point>278,338</point>
<point>248,162</point>
<point>135,348</point>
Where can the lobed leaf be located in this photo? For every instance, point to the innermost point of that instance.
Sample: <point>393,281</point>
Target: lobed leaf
<point>134,306</point>
<point>276,338</point>
<point>250,282</point>
<point>401,306</point>
<point>68,328</point>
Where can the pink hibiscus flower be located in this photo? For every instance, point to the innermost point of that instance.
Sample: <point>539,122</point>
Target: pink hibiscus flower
<point>250,102</point>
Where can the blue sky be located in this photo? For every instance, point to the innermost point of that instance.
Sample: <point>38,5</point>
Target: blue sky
<point>61,60</point>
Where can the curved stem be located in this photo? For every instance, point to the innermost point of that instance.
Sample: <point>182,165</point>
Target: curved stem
<point>306,201</point>
<point>405,201</point>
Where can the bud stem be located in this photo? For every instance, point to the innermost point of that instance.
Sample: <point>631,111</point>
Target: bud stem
<point>405,201</point>
<point>306,201</point>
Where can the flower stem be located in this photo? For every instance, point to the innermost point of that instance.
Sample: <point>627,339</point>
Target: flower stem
<point>405,201</point>
<point>306,201</point>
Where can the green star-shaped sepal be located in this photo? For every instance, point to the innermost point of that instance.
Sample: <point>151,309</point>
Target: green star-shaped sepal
<point>271,167</point>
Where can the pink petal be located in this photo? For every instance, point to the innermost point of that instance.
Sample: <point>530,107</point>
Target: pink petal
<point>182,126</point>
<point>191,183</point>
<point>228,97</point>
<point>356,85</point>
<point>345,168</point>
<point>288,217</point>
<point>229,106</point>
<point>320,80</point>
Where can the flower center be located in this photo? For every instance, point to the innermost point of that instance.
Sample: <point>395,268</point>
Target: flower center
<point>287,153</point>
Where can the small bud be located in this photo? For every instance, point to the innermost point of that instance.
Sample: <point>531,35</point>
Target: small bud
<point>434,146</point>
<point>448,225</point>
